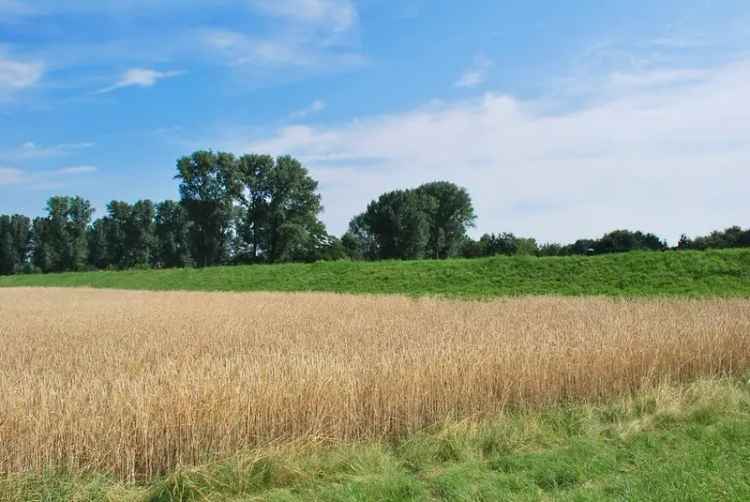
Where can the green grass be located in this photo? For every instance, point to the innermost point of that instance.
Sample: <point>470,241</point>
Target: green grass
<point>711,273</point>
<point>673,444</point>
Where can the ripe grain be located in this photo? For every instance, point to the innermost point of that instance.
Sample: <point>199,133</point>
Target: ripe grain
<point>137,383</point>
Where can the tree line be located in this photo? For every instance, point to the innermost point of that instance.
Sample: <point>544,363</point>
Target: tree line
<point>261,209</point>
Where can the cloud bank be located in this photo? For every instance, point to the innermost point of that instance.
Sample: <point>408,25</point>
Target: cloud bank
<point>668,152</point>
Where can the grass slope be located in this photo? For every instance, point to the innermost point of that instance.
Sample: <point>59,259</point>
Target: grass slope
<point>689,443</point>
<point>712,273</point>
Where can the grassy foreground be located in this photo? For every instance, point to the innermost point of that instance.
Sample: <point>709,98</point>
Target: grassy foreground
<point>673,443</point>
<point>711,273</point>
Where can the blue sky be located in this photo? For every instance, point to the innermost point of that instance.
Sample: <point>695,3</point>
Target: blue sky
<point>563,119</point>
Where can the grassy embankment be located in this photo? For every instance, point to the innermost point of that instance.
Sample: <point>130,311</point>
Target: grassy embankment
<point>712,273</point>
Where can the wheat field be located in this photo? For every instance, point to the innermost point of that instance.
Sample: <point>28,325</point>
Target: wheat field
<point>136,383</point>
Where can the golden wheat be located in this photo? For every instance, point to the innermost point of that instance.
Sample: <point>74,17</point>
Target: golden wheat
<point>137,383</point>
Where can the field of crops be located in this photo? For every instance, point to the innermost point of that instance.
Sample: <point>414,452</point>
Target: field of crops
<point>136,384</point>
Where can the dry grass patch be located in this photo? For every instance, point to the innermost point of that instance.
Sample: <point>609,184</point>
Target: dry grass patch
<point>138,383</point>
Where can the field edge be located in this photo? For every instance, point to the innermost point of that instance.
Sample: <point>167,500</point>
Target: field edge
<point>674,442</point>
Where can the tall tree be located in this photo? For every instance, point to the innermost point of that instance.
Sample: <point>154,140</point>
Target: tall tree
<point>450,213</point>
<point>172,235</point>
<point>99,256</point>
<point>359,241</point>
<point>20,228</point>
<point>140,236</point>
<point>15,241</point>
<point>255,172</point>
<point>429,221</point>
<point>8,258</point>
<point>281,209</point>
<point>399,224</point>
<point>209,184</point>
<point>115,228</point>
<point>65,235</point>
<point>42,254</point>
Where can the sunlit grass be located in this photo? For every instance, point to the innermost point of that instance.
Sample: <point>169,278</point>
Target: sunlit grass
<point>711,273</point>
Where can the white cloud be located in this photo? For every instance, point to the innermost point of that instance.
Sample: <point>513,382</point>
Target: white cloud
<point>75,170</point>
<point>240,50</point>
<point>312,35</point>
<point>666,162</point>
<point>656,78</point>
<point>477,74</point>
<point>42,178</point>
<point>338,15</point>
<point>32,150</point>
<point>316,106</point>
<point>140,77</point>
<point>16,75</point>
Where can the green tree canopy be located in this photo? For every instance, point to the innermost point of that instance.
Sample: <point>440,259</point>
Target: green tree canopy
<point>282,204</point>
<point>209,185</point>
<point>429,221</point>
<point>61,241</point>
<point>450,213</point>
<point>172,235</point>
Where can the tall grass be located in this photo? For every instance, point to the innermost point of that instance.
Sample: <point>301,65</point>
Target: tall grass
<point>135,383</point>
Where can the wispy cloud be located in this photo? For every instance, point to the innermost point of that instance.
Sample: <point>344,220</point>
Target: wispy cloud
<point>476,74</point>
<point>75,170</point>
<point>316,106</point>
<point>665,162</point>
<point>140,77</point>
<point>311,35</point>
<point>656,78</point>
<point>16,75</point>
<point>338,15</point>
<point>240,49</point>
<point>297,50</point>
<point>42,178</point>
<point>32,150</point>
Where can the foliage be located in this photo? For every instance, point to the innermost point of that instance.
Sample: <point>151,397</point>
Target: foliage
<point>125,238</point>
<point>733,237</point>
<point>15,243</point>
<point>172,233</point>
<point>618,241</point>
<point>281,209</point>
<point>429,221</point>
<point>208,186</point>
<point>398,224</point>
<point>59,242</point>
<point>449,213</point>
